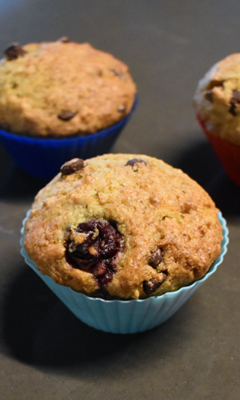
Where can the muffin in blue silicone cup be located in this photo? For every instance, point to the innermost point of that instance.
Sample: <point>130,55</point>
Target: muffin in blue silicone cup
<point>123,240</point>
<point>61,100</point>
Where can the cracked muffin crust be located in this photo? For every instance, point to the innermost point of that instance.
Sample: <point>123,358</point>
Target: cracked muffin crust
<point>61,89</point>
<point>217,99</point>
<point>123,226</point>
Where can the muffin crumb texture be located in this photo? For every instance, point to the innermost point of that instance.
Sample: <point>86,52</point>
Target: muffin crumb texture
<point>62,88</point>
<point>217,99</point>
<point>122,226</point>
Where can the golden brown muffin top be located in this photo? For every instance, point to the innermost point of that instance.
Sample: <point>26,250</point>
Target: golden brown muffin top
<point>217,99</point>
<point>62,89</point>
<point>123,226</point>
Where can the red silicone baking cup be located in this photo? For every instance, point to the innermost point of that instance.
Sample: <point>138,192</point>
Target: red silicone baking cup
<point>228,154</point>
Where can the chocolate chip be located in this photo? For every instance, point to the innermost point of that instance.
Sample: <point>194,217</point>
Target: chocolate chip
<point>232,109</point>
<point>14,51</point>
<point>67,115</point>
<point>209,93</point>
<point>63,39</point>
<point>115,71</point>
<point>72,166</point>
<point>209,96</point>
<point>235,100</point>
<point>165,274</point>
<point>135,161</point>
<point>14,85</point>
<point>120,74</point>
<point>121,108</point>
<point>235,96</point>
<point>98,250</point>
<point>151,286</point>
<point>214,83</point>
<point>155,258</point>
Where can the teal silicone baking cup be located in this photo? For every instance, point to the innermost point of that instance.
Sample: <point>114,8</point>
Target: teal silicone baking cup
<point>126,316</point>
<point>42,158</point>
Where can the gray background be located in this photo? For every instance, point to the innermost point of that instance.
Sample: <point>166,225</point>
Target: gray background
<point>45,352</point>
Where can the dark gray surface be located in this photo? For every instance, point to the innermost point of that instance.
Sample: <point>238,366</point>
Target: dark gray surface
<point>45,352</point>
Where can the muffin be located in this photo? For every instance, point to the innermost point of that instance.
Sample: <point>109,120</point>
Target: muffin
<point>122,229</point>
<point>62,100</point>
<point>217,105</point>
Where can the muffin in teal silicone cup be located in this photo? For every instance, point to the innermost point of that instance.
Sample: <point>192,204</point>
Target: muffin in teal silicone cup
<point>61,100</point>
<point>123,240</point>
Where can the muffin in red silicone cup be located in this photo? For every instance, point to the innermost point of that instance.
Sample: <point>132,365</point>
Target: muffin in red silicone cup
<point>217,105</point>
<point>60,100</point>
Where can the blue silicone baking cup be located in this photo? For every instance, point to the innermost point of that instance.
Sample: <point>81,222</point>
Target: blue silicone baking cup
<point>42,158</point>
<point>126,316</point>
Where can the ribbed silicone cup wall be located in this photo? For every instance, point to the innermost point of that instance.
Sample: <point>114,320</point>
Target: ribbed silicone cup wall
<point>227,153</point>
<point>126,316</point>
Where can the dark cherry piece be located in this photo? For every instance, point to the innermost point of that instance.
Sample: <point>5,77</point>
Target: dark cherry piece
<point>72,166</point>
<point>98,252</point>
<point>14,51</point>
